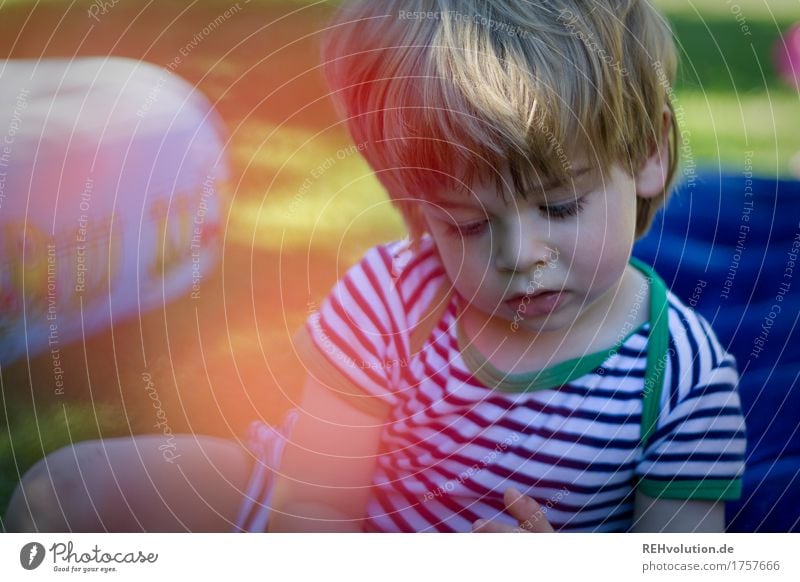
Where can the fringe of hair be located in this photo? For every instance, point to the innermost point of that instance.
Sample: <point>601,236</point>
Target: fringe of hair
<point>440,93</point>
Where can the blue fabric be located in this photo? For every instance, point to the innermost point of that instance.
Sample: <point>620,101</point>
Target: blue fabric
<point>724,245</point>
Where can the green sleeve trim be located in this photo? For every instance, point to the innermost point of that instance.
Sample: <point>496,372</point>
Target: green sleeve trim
<point>713,489</point>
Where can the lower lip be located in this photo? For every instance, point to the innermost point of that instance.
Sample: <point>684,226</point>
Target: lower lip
<point>541,304</point>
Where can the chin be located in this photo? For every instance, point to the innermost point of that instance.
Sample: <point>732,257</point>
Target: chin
<point>541,325</point>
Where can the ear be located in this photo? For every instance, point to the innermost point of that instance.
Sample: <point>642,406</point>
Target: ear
<point>652,175</point>
<point>415,219</point>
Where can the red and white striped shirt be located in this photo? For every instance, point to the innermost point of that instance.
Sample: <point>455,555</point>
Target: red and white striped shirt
<point>459,432</point>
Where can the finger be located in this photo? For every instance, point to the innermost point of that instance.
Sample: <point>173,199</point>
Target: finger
<point>486,526</point>
<point>527,511</point>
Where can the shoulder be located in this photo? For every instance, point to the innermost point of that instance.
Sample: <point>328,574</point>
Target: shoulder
<point>697,447</point>
<point>412,276</point>
<point>693,346</point>
<point>386,291</point>
<point>358,341</point>
<point>697,363</point>
<point>692,331</point>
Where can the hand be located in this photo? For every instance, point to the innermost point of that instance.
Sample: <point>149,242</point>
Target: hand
<point>530,516</point>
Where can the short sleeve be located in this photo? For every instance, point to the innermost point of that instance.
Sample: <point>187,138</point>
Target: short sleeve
<point>355,342</point>
<point>697,449</point>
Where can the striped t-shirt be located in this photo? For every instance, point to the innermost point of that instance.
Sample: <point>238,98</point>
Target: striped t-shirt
<point>459,432</point>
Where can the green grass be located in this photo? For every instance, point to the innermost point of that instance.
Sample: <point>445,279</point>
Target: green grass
<point>323,191</point>
<point>724,127</point>
<point>752,10</point>
<point>732,98</point>
<point>33,433</point>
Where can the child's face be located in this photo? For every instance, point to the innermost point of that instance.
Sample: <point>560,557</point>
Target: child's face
<point>575,244</point>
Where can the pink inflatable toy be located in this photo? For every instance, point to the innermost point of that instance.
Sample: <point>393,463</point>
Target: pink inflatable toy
<point>787,56</point>
<point>112,192</point>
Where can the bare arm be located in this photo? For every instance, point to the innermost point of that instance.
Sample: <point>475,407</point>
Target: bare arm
<point>326,472</point>
<point>677,515</point>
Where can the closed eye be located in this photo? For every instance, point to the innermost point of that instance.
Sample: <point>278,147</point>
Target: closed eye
<point>562,211</point>
<point>468,229</point>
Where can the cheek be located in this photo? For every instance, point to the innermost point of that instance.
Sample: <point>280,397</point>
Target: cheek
<point>466,263</point>
<point>606,239</point>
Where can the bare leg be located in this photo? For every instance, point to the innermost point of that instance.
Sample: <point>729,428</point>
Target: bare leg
<point>134,484</point>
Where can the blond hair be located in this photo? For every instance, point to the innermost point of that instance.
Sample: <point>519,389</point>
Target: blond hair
<point>438,92</point>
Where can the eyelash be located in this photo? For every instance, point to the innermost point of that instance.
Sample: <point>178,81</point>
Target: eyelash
<point>564,210</point>
<point>560,212</point>
<point>467,230</point>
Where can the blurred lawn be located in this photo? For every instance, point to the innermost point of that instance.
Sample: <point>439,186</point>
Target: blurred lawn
<point>730,96</point>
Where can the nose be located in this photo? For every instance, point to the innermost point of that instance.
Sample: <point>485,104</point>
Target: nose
<point>522,246</point>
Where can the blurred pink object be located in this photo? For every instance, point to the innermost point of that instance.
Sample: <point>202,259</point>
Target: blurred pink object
<point>787,56</point>
<point>113,178</point>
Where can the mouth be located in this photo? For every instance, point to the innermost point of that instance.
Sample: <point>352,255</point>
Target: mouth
<point>540,302</point>
<point>530,296</point>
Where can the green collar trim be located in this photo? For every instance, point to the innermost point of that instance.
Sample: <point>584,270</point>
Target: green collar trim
<point>564,372</point>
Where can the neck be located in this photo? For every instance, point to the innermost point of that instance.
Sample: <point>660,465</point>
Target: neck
<point>622,307</point>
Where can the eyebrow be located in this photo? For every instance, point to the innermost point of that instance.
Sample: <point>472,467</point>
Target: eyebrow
<point>468,206</point>
<point>572,177</point>
<point>453,203</point>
